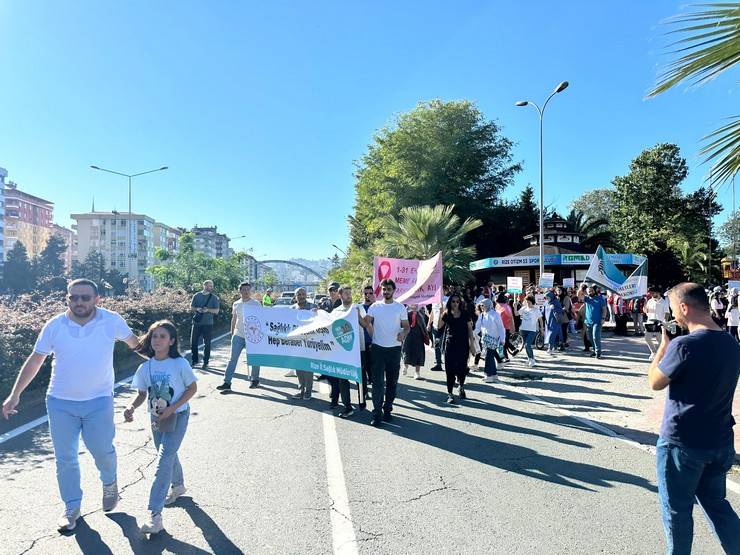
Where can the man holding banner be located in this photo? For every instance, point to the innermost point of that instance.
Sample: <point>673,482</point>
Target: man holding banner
<point>390,327</point>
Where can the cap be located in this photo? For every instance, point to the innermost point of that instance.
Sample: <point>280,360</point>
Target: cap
<point>717,289</point>
<point>333,286</point>
<point>269,289</point>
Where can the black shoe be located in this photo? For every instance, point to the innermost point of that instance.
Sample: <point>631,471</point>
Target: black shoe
<point>586,350</point>
<point>205,366</point>
<point>362,406</point>
<point>333,405</point>
<point>598,356</point>
<point>254,385</point>
<point>375,422</point>
<point>387,417</point>
<point>224,386</point>
<point>436,368</point>
<point>450,400</point>
<point>462,393</point>
<point>347,412</point>
<point>591,354</point>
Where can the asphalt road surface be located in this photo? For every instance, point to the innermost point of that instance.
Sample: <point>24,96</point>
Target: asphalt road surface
<point>498,473</point>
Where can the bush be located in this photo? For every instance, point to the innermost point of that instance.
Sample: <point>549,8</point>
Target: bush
<point>23,316</point>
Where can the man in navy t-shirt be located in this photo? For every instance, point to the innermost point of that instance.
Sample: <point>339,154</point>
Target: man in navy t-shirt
<point>695,449</point>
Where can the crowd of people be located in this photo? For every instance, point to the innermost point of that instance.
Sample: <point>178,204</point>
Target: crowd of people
<point>690,352</point>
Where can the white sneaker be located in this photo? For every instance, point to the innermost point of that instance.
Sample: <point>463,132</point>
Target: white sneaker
<point>417,375</point>
<point>651,358</point>
<point>175,492</point>
<point>492,379</point>
<point>291,374</point>
<point>153,525</point>
<point>68,520</point>
<point>530,362</point>
<point>404,372</point>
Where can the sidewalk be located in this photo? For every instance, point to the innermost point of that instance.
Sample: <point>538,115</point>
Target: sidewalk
<point>612,391</point>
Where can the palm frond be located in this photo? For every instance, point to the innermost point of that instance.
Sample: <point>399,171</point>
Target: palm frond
<point>724,149</point>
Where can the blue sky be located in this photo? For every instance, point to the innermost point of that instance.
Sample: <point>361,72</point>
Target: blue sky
<point>261,108</point>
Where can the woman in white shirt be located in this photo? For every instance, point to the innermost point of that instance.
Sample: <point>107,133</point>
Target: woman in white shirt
<point>531,323</point>
<point>733,317</point>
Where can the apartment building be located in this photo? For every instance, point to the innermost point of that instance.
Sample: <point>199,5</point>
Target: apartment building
<point>210,242</point>
<point>27,219</point>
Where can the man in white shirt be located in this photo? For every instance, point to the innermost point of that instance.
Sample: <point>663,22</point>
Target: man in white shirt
<point>238,342</point>
<point>390,327</point>
<point>656,309</point>
<point>80,395</point>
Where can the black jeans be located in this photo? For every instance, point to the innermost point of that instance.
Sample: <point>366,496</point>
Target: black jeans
<point>386,367</point>
<point>339,386</point>
<point>437,346</point>
<point>196,333</point>
<point>366,362</point>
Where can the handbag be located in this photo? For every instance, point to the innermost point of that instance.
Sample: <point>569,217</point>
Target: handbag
<point>166,425</point>
<point>198,316</point>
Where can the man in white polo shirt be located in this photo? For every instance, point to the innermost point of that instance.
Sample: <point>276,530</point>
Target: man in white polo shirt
<point>390,327</point>
<point>80,395</point>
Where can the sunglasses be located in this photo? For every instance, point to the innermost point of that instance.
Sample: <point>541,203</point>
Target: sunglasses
<point>83,298</point>
<point>454,302</point>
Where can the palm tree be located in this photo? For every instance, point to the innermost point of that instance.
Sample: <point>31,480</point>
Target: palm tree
<point>692,255</point>
<point>711,45</point>
<point>594,230</point>
<point>423,231</point>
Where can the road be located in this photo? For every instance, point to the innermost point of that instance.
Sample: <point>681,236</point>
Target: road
<point>499,473</point>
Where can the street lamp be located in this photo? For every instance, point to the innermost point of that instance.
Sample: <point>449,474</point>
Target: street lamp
<point>560,88</point>
<point>340,250</point>
<point>129,254</point>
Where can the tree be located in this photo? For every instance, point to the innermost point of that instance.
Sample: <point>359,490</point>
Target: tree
<point>423,231</point>
<point>438,153</point>
<point>711,45</point>
<point>595,231</point>
<point>18,275</point>
<point>596,204</point>
<point>729,233</point>
<point>692,254</point>
<point>50,263</point>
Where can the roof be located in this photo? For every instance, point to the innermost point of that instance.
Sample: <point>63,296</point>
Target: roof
<point>549,249</point>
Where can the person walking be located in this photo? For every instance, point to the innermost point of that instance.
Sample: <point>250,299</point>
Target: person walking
<point>205,305</point>
<point>553,328</point>
<point>656,311</point>
<point>507,317</point>
<point>733,317</point>
<point>238,342</point>
<point>413,350</point>
<point>458,326</point>
<point>491,329</point>
<point>564,318</point>
<point>436,335</point>
<point>366,354</point>
<point>79,400</point>
<point>390,328</point>
<point>531,323</point>
<point>595,314</point>
<point>695,449</point>
<point>305,378</point>
<point>637,309</point>
<point>169,382</point>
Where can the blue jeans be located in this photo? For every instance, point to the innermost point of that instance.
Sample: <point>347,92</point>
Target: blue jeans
<point>529,337</point>
<point>238,344</point>
<point>490,367</point>
<point>169,470</point>
<point>94,420</point>
<point>593,332</point>
<point>685,474</point>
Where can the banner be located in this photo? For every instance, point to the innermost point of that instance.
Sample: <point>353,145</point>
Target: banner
<point>636,285</point>
<point>547,280</point>
<point>417,281</point>
<point>569,282</point>
<point>514,284</point>
<point>273,338</point>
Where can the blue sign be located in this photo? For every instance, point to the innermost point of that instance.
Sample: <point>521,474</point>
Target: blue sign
<point>624,259</point>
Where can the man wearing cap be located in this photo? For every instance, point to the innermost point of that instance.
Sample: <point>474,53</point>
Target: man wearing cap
<point>267,298</point>
<point>333,300</point>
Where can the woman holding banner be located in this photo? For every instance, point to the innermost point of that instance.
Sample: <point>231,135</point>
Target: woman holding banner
<point>413,345</point>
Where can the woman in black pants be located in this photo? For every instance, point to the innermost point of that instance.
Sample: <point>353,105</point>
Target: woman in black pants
<point>459,326</point>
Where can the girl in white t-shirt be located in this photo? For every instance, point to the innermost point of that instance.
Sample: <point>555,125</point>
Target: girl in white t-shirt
<point>733,318</point>
<point>169,382</point>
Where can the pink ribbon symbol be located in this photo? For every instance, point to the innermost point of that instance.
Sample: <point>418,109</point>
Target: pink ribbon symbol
<point>384,272</point>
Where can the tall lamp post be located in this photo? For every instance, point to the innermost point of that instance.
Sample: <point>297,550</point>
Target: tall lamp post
<point>129,254</point>
<point>541,111</point>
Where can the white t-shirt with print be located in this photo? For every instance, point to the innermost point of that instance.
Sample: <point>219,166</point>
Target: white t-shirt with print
<point>387,318</point>
<point>656,309</point>
<point>529,318</point>
<point>164,381</point>
<point>82,368</point>
<point>238,309</point>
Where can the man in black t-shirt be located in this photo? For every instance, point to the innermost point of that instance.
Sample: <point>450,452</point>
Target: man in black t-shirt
<point>696,445</point>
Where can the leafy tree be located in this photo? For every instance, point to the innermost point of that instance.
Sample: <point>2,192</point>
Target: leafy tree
<point>595,231</point>
<point>438,153</point>
<point>692,254</point>
<point>596,204</point>
<point>50,263</point>
<point>18,274</point>
<point>710,46</point>
<point>729,233</point>
<point>423,231</point>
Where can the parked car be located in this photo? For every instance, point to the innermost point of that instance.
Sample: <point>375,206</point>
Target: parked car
<point>284,301</point>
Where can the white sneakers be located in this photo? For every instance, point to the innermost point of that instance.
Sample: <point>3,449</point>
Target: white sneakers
<point>68,520</point>
<point>153,525</point>
<point>291,374</point>
<point>492,379</point>
<point>531,362</point>
<point>175,492</point>
<point>417,375</point>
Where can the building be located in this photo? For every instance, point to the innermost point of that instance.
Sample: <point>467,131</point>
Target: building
<point>564,256</point>
<point>210,242</point>
<point>70,239</point>
<point>3,175</point>
<point>28,219</point>
<point>128,249</point>
<point>166,237</point>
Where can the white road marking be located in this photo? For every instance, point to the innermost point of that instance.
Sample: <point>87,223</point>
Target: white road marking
<point>344,540</point>
<point>15,432</point>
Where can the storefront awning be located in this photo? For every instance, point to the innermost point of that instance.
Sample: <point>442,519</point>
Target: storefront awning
<point>625,259</point>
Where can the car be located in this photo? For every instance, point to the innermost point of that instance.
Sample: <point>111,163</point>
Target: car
<point>284,301</point>
<point>287,295</point>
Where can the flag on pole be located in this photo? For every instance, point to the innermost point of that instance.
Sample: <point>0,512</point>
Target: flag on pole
<point>636,284</point>
<point>603,272</point>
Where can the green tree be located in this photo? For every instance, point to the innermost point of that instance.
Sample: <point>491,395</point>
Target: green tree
<point>18,273</point>
<point>596,204</point>
<point>423,231</point>
<point>595,231</point>
<point>710,46</point>
<point>729,233</point>
<point>50,263</point>
<point>439,153</point>
<point>692,255</point>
